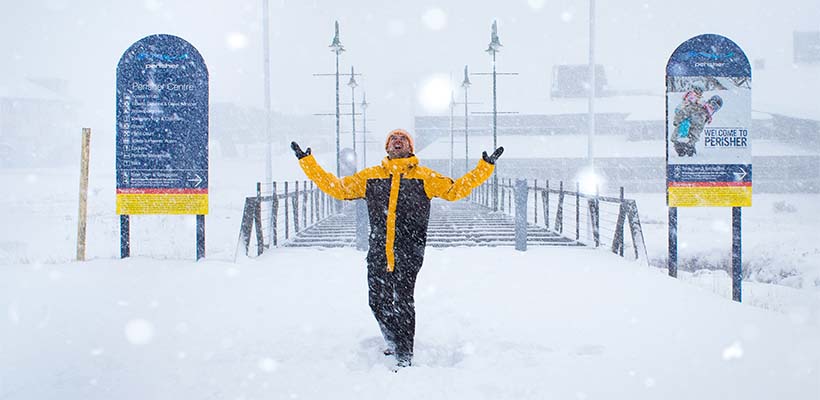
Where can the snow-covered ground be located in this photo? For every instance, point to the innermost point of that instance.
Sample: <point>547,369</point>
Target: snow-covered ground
<point>492,323</point>
<point>294,323</point>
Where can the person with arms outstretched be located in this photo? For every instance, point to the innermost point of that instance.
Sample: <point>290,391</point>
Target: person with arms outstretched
<point>398,194</point>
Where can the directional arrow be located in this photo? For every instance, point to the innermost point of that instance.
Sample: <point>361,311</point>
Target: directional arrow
<point>740,175</point>
<point>198,180</point>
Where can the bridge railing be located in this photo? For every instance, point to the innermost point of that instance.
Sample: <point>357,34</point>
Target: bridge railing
<point>278,212</point>
<point>592,219</point>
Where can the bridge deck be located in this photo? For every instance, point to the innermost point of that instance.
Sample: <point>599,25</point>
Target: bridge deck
<point>452,224</point>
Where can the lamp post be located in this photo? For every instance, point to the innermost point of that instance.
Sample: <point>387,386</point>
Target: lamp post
<point>364,129</point>
<point>466,85</point>
<point>353,84</point>
<point>266,51</point>
<point>592,87</point>
<point>336,47</point>
<point>493,48</point>
<point>452,134</point>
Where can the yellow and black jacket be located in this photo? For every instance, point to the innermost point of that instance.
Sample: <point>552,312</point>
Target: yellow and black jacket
<point>398,194</point>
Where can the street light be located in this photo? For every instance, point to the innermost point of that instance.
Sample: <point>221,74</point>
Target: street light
<point>592,87</point>
<point>364,129</point>
<point>493,48</point>
<point>266,51</point>
<point>466,85</point>
<point>336,47</point>
<point>353,84</point>
<point>452,134</point>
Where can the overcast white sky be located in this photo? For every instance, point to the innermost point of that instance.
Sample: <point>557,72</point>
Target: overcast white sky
<point>397,45</point>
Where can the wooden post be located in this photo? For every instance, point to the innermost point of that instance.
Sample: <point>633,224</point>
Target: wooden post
<point>621,223</point>
<point>83,212</point>
<point>559,211</point>
<point>546,200</point>
<point>286,198</point>
<point>509,195</point>
<point>577,211</point>
<point>304,204</point>
<point>296,228</point>
<point>535,201</point>
<point>274,215</point>
<point>312,203</point>
<point>257,220</point>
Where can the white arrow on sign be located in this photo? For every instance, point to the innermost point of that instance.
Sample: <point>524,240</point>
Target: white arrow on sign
<point>198,180</point>
<point>740,175</point>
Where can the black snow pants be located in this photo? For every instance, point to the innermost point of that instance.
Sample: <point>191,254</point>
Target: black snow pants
<point>392,303</point>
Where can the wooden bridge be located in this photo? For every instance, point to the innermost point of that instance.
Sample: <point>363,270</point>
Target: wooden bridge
<point>453,224</point>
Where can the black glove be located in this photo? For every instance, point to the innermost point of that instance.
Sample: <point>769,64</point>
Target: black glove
<point>491,158</point>
<point>298,151</point>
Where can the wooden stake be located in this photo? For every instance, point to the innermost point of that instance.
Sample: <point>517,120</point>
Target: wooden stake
<point>83,213</point>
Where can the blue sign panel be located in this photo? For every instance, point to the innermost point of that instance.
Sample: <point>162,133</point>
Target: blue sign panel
<point>709,111</point>
<point>709,55</point>
<point>162,128</point>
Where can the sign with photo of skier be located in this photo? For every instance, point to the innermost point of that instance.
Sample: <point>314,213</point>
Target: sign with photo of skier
<point>708,143</point>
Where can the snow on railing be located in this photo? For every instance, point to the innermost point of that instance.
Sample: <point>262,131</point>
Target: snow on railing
<point>591,219</point>
<point>279,211</point>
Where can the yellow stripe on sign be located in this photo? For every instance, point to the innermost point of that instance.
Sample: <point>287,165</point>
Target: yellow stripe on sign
<point>728,196</point>
<point>128,204</point>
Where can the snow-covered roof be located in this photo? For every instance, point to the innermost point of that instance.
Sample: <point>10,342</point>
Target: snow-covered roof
<point>25,89</point>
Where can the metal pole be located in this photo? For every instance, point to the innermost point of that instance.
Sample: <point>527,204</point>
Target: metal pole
<point>268,133</point>
<point>200,237</point>
<point>737,265</point>
<point>622,232</point>
<point>672,263</point>
<point>452,141</point>
<point>364,129</point>
<point>495,139</point>
<point>125,236</point>
<point>521,192</point>
<point>466,132</point>
<point>353,121</point>
<point>338,121</point>
<point>591,85</point>
<point>353,85</point>
<point>336,46</point>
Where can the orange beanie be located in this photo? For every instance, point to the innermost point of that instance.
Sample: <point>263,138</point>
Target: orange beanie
<point>400,132</point>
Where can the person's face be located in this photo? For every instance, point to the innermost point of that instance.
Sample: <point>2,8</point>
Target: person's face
<point>398,147</point>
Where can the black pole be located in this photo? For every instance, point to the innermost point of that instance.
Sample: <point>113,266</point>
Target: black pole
<point>274,215</point>
<point>673,242</point>
<point>621,249</point>
<point>200,237</point>
<point>495,140</point>
<point>338,123</point>
<point>577,211</point>
<point>737,266</point>
<point>125,236</point>
<point>466,129</point>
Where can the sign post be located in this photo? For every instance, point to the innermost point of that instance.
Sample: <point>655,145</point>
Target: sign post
<point>162,133</point>
<point>708,143</point>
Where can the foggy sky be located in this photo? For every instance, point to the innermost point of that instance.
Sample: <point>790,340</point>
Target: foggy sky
<point>396,45</point>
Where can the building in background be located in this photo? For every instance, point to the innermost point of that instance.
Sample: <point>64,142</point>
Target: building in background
<point>38,123</point>
<point>549,141</point>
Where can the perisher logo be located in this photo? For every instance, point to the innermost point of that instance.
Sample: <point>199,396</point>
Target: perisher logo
<point>709,56</point>
<point>161,57</point>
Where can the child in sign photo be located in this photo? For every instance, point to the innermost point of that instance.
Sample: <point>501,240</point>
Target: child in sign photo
<point>691,116</point>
